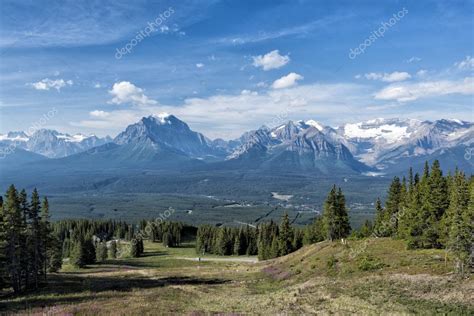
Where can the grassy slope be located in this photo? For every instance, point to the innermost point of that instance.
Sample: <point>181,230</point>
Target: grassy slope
<point>402,282</point>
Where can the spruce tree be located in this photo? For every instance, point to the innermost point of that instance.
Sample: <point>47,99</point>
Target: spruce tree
<point>365,230</point>
<point>285,237</point>
<point>335,217</point>
<point>315,232</point>
<point>458,201</point>
<point>457,231</point>
<point>45,237</point>
<point>392,207</point>
<point>13,230</point>
<point>298,239</point>
<point>55,258</point>
<point>78,256</point>
<point>343,224</point>
<point>3,248</point>
<point>330,215</point>
<point>35,236</point>
<point>274,247</point>
<point>25,254</point>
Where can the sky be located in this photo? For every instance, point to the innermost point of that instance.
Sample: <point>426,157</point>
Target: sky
<point>226,67</point>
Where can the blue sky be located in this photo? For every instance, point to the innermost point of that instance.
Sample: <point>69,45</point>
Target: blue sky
<point>229,66</point>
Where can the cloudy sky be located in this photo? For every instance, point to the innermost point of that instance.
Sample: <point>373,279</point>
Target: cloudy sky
<point>225,67</point>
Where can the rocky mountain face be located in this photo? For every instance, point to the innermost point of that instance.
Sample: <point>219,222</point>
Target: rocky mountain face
<point>383,143</point>
<point>296,146</point>
<point>169,131</point>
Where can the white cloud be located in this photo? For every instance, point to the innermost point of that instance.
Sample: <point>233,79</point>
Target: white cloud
<point>98,113</point>
<point>97,85</point>
<point>261,84</point>
<point>114,120</point>
<point>413,91</point>
<point>287,81</point>
<point>248,92</point>
<point>272,60</point>
<point>228,116</point>
<point>199,65</point>
<point>126,92</point>
<point>466,64</point>
<point>47,84</point>
<point>421,73</point>
<point>388,77</point>
<point>413,59</point>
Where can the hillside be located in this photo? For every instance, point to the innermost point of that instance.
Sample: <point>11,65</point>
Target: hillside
<point>321,278</point>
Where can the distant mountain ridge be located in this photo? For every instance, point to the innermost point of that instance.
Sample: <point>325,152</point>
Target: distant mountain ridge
<point>163,140</point>
<point>51,143</point>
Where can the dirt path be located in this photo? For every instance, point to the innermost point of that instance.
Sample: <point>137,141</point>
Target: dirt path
<point>249,260</point>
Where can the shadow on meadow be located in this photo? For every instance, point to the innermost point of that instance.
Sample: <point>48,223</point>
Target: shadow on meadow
<point>75,288</point>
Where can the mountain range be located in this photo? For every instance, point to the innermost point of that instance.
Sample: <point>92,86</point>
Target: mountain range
<point>164,142</point>
<point>51,143</point>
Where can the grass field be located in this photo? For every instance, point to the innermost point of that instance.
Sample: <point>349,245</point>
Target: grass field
<point>376,276</point>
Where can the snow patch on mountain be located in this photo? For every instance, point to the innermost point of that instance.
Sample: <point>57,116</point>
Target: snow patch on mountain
<point>315,124</point>
<point>389,132</point>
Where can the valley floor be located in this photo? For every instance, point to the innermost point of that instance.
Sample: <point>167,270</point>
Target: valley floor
<point>364,277</point>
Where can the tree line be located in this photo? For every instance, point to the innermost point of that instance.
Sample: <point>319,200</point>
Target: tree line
<point>270,240</point>
<point>429,211</point>
<point>29,249</point>
<point>226,240</point>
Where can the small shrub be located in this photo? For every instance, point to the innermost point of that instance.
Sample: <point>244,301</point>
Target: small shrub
<point>369,263</point>
<point>332,262</point>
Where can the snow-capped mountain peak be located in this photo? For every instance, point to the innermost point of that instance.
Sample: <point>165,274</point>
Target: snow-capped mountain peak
<point>315,124</point>
<point>163,118</point>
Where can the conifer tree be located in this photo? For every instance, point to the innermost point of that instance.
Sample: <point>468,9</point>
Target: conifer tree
<point>335,217</point>
<point>274,248</point>
<point>45,237</point>
<point>315,232</point>
<point>25,257</point>
<point>365,230</point>
<point>12,226</point>
<point>35,237</point>
<point>89,250</point>
<point>285,237</point>
<point>330,214</point>
<point>343,224</point>
<point>458,201</point>
<point>392,206</point>
<point>3,247</point>
<point>78,256</point>
<point>298,239</point>
<point>55,258</point>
